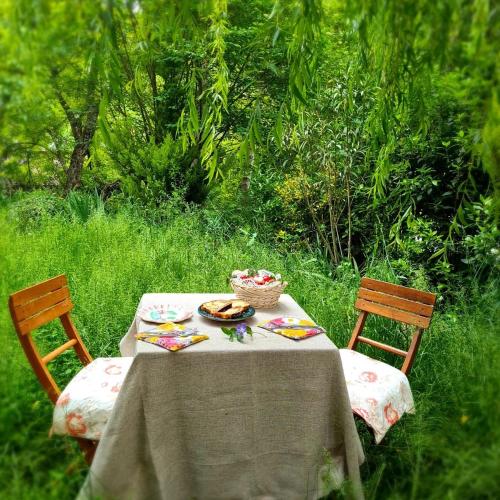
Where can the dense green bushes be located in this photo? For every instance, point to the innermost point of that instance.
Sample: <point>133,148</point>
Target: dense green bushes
<point>274,213</point>
<point>357,141</point>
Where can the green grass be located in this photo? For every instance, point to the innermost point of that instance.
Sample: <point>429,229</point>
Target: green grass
<point>449,449</point>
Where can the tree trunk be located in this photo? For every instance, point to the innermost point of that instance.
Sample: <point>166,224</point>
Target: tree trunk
<point>82,149</point>
<point>83,127</point>
<point>349,211</point>
<point>74,172</point>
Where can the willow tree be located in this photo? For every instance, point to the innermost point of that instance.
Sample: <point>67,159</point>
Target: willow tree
<point>62,48</point>
<point>176,66</point>
<point>406,47</point>
<point>196,76</point>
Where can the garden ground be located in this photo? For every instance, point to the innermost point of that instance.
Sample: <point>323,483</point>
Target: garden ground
<point>449,449</point>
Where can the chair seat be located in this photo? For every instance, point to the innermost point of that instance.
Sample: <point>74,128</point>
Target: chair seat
<point>84,406</point>
<point>380,394</point>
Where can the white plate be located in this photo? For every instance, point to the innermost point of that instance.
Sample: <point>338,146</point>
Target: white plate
<point>161,313</point>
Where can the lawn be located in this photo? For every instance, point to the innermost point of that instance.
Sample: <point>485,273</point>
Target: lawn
<point>449,449</point>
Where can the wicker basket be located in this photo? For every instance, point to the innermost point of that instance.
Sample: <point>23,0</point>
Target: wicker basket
<point>259,296</point>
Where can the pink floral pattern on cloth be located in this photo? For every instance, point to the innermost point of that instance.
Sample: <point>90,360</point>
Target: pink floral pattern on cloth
<point>84,406</point>
<point>380,394</point>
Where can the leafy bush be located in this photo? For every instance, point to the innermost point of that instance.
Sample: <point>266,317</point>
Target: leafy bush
<point>81,206</point>
<point>154,172</point>
<point>28,212</point>
<point>481,236</point>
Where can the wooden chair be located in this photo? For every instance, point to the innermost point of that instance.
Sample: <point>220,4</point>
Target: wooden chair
<point>34,307</point>
<point>398,303</point>
<point>380,393</point>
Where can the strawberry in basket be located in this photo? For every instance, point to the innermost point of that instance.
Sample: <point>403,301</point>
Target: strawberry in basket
<point>261,277</point>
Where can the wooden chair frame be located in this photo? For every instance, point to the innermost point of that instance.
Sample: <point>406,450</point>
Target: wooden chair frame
<point>34,307</point>
<point>396,302</point>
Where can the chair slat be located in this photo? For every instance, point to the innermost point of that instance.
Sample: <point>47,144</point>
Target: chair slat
<point>67,345</point>
<point>45,316</point>
<point>392,313</point>
<point>399,291</point>
<point>399,303</point>
<point>396,302</point>
<point>34,307</point>
<point>34,292</point>
<point>384,347</point>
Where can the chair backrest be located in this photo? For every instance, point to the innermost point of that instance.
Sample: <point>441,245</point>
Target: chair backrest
<point>36,306</point>
<point>398,303</point>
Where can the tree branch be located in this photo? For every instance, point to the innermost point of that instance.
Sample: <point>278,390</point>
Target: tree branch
<point>74,121</point>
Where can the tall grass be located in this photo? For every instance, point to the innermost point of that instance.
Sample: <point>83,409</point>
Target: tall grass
<point>449,449</point>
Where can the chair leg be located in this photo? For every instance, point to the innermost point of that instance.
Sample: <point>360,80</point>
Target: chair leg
<point>89,448</point>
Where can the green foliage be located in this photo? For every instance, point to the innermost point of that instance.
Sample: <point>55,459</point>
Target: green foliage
<point>82,206</point>
<point>409,46</point>
<point>356,131</point>
<point>28,212</point>
<point>481,246</point>
<point>153,172</point>
<point>302,48</point>
<point>491,148</point>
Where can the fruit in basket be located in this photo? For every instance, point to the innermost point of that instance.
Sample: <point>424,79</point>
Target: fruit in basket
<point>261,289</point>
<point>262,277</point>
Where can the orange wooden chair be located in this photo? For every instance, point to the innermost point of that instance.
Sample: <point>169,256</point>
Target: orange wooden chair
<point>83,407</point>
<point>380,393</point>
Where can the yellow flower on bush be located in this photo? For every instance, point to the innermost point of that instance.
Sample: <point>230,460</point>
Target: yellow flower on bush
<point>291,190</point>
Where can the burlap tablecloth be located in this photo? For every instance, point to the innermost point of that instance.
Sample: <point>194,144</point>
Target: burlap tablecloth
<point>222,420</point>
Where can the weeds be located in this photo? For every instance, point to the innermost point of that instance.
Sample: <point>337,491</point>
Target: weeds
<point>449,449</point>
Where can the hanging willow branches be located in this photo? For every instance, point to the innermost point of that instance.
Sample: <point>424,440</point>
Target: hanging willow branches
<point>301,19</point>
<point>404,47</point>
<point>171,63</point>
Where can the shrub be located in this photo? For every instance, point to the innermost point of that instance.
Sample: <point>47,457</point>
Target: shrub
<point>28,212</point>
<point>81,206</point>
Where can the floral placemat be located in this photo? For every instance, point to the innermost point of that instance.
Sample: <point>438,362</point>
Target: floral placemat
<point>293,328</point>
<point>171,343</point>
<point>170,329</point>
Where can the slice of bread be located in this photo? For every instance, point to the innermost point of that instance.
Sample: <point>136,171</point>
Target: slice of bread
<point>225,309</point>
<point>215,305</point>
<point>230,313</point>
<point>240,303</point>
